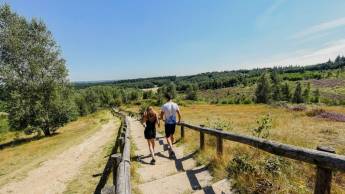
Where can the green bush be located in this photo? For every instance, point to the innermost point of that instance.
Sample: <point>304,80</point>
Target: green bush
<point>3,123</point>
<point>2,106</point>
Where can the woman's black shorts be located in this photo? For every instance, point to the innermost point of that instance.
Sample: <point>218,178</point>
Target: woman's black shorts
<point>150,133</point>
<point>169,129</point>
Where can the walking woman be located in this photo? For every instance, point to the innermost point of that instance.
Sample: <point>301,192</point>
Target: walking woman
<point>149,120</point>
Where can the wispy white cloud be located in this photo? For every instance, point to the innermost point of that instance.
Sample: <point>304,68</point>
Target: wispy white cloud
<point>308,57</point>
<point>261,19</point>
<point>322,27</point>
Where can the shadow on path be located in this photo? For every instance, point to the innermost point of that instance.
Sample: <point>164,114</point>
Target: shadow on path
<point>20,141</point>
<point>193,180</point>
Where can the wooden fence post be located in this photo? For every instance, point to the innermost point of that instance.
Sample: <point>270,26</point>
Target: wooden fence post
<point>116,159</point>
<point>202,139</point>
<point>121,143</point>
<point>182,132</point>
<point>323,175</point>
<point>219,144</point>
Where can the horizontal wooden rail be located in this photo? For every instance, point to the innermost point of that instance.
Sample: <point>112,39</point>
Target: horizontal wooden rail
<point>123,173</point>
<point>324,157</point>
<point>320,158</point>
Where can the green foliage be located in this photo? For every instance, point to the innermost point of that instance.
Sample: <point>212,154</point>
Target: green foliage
<point>166,89</point>
<point>2,106</point>
<point>240,164</point>
<point>316,98</point>
<point>263,89</point>
<point>306,94</point>
<point>286,93</point>
<point>171,89</point>
<point>297,96</point>
<point>3,123</point>
<point>191,92</point>
<point>277,92</point>
<point>263,130</point>
<point>148,94</point>
<point>215,80</point>
<point>33,73</point>
<point>143,108</point>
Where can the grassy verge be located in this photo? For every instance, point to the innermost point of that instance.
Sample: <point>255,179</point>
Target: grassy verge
<point>135,177</point>
<point>86,181</point>
<point>16,161</point>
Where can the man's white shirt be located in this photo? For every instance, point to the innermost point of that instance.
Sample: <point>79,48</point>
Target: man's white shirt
<point>170,109</point>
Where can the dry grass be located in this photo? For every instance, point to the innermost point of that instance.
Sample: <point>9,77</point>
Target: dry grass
<point>263,172</point>
<point>288,127</point>
<point>16,161</point>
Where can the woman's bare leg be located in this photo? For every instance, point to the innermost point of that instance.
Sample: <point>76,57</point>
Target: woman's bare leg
<point>170,143</point>
<point>150,142</point>
<point>153,145</point>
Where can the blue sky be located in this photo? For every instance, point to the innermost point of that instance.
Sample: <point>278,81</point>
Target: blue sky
<point>118,39</point>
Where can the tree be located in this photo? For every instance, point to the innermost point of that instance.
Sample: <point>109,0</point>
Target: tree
<point>92,100</point>
<point>148,94</point>
<point>263,89</point>
<point>276,92</point>
<point>34,75</point>
<point>276,88</point>
<point>306,94</point>
<point>286,93</point>
<point>191,93</point>
<point>316,98</point>
<point>297,96</point>
<point>275,77</point>
<point>171,89</point>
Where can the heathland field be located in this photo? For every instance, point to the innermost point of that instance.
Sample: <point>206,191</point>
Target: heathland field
<point>256,171</point>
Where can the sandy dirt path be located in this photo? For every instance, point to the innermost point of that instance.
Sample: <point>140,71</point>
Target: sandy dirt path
<point>53,175</point>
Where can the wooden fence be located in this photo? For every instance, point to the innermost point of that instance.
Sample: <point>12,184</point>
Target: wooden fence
<point>121,168</point>
<point>323,157</point>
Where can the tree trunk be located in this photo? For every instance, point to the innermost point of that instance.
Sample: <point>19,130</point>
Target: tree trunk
<point>46,132</point>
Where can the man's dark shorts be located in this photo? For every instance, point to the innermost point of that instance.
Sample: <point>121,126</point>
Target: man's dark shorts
<point>169,129</point>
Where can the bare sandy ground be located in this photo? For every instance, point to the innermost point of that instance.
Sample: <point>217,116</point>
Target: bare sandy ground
<point>54,174</point>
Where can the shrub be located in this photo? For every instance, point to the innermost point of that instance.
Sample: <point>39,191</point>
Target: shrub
<point>240,164</point>
<point>263,130</point>
<point>247,101</point>
<point>273,165</point>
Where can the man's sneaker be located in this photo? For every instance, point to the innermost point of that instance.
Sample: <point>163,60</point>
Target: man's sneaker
<point>153,162</point>
<point>172,155</point>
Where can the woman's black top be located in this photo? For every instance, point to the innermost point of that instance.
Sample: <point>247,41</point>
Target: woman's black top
<point>150,129</point>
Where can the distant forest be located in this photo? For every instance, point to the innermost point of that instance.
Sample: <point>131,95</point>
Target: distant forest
<point>224,79</point>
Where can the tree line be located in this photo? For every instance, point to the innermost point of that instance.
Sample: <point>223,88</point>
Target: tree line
<point>271,88</point>
<point>216,80</point>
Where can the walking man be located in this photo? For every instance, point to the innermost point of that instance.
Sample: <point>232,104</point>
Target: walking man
<point>168,113</point>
